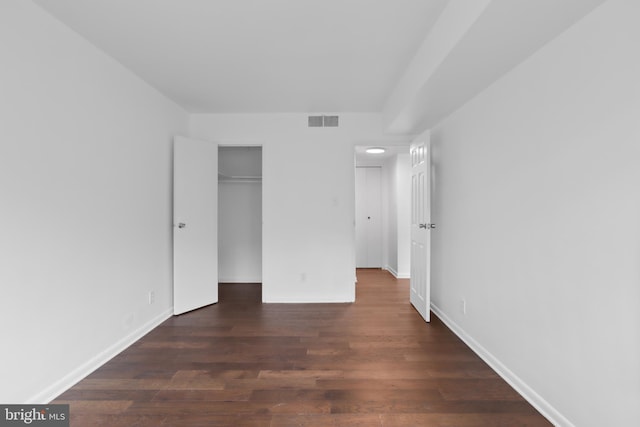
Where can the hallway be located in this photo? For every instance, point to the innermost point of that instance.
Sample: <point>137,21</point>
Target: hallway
<point>243,363</point>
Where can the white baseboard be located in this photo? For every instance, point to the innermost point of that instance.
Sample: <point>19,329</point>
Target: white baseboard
<point>309,301</point>
<point>397,275</point>
<point>240,280</point>
<point>544,407</point>
<point>69,380</point>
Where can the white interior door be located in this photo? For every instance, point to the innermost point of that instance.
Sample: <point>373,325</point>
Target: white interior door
<point>195,224</point>
<point>421,226</point>
<point>368,217</point>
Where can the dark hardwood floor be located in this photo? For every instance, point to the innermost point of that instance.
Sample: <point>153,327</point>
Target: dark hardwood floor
<point>243,363</point>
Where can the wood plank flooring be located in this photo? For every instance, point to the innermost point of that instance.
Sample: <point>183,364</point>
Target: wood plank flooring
<point>243,363</point>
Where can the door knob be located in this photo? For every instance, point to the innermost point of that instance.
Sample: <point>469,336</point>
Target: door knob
<point>182,225</point>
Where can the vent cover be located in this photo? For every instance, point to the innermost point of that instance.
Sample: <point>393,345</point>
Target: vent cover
<point>315,121</point>
<point>331,121</point>
<point>323,121</point>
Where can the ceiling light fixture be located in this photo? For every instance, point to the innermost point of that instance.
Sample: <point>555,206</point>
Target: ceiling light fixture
<point>375,150</point>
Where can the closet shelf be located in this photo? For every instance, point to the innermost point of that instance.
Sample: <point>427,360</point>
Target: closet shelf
<point>227,178</point>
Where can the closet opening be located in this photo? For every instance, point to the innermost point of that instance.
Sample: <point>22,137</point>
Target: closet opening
<point>240,222</point>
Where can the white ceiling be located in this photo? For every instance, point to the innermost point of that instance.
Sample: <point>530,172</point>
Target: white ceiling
<point>257,55</point>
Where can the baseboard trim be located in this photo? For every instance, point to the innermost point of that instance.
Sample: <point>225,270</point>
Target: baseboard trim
<point>69,380</point>
<point>397,275</point>
<point>240,280</point>
<point>300,301</point>
<point>544,407</point>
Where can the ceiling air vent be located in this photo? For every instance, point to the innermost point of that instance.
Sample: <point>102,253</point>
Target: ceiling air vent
<point>323,121</point>
<point>315,121</point>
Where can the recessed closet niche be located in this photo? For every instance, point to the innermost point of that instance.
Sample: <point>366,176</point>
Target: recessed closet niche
<point>239,214</point>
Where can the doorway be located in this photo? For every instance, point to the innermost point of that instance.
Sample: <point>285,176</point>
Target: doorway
<point>383,209</point>
<point>240,217</point>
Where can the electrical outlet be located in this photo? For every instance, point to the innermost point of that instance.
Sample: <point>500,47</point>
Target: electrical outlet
<point>152,297</point>
<point>463,306</point>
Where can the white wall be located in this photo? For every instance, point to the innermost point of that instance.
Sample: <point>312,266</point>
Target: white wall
<point>538,214</point>
<point>397,178</point>
<point>390,216</point>
<point>308,198</point>
<point>85,178</point>
<point>242,162</point>
<point>402,182</point>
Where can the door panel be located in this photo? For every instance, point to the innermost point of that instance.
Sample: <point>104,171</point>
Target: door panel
<point>195,228</point>
<point>420,226</point>
<point>368,217</point>
<point>361,226</point>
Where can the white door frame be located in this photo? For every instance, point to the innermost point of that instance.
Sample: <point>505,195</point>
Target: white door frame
<point>261,146</point>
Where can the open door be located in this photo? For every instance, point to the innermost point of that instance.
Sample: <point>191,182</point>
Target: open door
<point>195,224</point>
<point>420,289</point>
